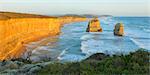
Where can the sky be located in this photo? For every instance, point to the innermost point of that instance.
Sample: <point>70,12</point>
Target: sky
<point>60,7</point>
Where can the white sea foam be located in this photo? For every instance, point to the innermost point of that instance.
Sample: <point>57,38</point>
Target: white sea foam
<point>142,43</point>
<point>62,54</point>
<point>71,57</point>
<point>109,45</point>
<point>137,43</point>
<point>86,37</point>
<point>91,46</point>
<point>147,30</point>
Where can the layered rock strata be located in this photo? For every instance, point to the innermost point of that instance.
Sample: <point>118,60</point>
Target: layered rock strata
<point>17,29</point>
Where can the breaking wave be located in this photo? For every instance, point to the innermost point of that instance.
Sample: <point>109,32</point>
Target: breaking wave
<point>62,54</point>
<point>107,45</point>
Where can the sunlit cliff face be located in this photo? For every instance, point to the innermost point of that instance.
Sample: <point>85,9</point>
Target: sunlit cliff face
<point>16,32</point>
<point>69,19</point>
<point>94,26</point>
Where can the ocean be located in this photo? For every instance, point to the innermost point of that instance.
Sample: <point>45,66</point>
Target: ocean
<point>75,44</point>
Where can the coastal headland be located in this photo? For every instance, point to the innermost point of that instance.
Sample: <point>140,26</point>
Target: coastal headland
<point>18,29</point>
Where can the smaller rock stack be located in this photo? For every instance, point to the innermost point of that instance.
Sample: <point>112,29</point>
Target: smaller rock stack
<point>119,29</point>
<point>94,26</point>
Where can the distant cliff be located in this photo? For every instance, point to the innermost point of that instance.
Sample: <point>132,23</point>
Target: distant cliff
<point>17,29</point>
<point>70,18</point>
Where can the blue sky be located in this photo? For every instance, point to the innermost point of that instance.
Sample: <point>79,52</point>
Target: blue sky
<point>100,7</point>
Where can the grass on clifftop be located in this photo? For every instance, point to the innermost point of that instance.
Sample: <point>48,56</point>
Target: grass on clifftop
<point>134,63</point>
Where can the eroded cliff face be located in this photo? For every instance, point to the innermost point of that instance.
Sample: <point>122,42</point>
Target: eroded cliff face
<point>16,30</point>
<point>94,26</point>
<point>15,33</point>
<point>119,29</point>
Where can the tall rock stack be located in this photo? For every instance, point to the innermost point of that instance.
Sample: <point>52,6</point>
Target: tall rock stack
<point>119,29</point>
<point>94,26</point>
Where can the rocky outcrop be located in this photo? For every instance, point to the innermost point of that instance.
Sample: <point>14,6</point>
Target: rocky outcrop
<point>119,29</point>
<point>94,26</point>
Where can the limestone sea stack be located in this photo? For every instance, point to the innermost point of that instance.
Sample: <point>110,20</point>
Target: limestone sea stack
<point>119,29</point>
<point>94,26</point>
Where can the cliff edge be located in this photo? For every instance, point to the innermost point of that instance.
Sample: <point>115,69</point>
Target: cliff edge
<point>18,29</point>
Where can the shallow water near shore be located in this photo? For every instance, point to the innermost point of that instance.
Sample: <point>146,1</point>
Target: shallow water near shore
<point>75,44</point>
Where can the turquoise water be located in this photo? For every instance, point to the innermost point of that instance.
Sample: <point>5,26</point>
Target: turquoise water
<point>74,44</point>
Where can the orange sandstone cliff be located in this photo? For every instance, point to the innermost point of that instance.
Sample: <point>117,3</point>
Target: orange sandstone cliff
<point>70,19</point>
<point>17,29</point>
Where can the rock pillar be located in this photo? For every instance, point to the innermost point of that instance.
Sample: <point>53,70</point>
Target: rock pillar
<point>94,26</point>
<point>119,29</point>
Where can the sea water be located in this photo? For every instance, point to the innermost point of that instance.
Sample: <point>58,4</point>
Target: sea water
<point>75,44</point>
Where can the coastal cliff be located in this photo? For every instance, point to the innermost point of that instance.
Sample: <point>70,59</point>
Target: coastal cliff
<point>70,19</point>
<point>16,30</point>
<point>14,33</point>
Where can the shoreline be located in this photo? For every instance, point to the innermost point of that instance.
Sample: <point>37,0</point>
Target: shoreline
<point>98,63</point>
<point>29,26</point>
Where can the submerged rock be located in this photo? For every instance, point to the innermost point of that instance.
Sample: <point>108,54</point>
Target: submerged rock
<point>94,26</point>
<point>119,29</point>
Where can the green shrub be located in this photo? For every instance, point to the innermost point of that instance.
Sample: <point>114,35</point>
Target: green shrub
<point>133,63</point>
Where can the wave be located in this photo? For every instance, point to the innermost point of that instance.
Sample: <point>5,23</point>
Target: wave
<point>108,45</point>
<point>86,37</point>
<point>136,42</point>
<point>147,30</point>
<point>142,43</point>
<point>62,54</point>
<point>90,47</point>
<point>65,56</point>
<point>100,37</point>
<point>72,57</point>
<point>93,46</point>
<point>141,38</point>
